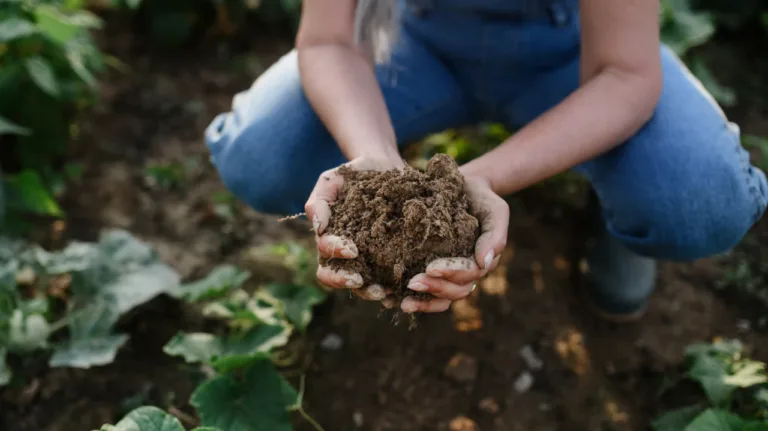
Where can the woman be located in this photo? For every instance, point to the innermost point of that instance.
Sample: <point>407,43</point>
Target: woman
<point>588,84</point>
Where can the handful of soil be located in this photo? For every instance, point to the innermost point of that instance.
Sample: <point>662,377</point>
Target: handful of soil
<point>402,220</point>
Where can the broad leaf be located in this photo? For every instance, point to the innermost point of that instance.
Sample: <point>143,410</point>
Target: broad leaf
<point>94,320</point>
<point>726,347</point>
<point>222,279</point>
<point>682,28</point>
<point>86,353</point>
<point>751,373</point>
<point>722,420</point>
<point>61,27</point>
<point>28,332</point>
<point>77,62</point>
<point>7,127</point>
<point>228,353</point>
<point>297,301</point>
<point>711,372</point>
<point>676,420</point>
<point>43,75</point>
<point>15,28</point>
<point>32,195</point>
<point>140,286</point>
<point>5,373</point>
<point>146,419</point>
<point>260,401</point>
<point>240,349</point>
<point>194,347</point>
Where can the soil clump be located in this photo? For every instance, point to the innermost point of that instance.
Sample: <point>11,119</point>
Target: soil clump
<point>401,220</point>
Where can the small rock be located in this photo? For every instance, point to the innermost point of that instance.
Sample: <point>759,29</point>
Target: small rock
<point>743,325</point>
<point>357,418</point>
<point>523,383</point>
<point>332,342</point>
<point>489,405</point>
<point>462,368</point>
<point>463,423</point>
<point>531,359</point>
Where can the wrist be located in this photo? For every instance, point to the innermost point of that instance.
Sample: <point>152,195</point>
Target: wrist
<point>385,155</point>
<point>472,173</point>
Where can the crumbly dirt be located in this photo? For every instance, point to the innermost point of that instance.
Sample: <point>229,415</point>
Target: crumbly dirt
<point>400,220</point>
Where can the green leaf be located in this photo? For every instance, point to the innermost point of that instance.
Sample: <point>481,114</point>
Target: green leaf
<point>138,287</point>
<point>146,419</point>
<point>194,347</point>
<point>726,348</point>
<point>77,62</point>
<point>222,279</point>
<point>31,195</point>
<point>722,420</point>
<point>676,420</point>
<point>750,373</point>
<point>43,75</point>
<point>28,332</point>
<point>61,27</point>
<point>15,28</point>
<point>682,28</point>
<point>96,319</point>
<point>297,301</point>
<point>227,353</point>
<point>240,349</point>
<point>7,127</point>
<point>5,372</point>
<point>86,353</point>
<point>711,372</point>
<point>260,401</point>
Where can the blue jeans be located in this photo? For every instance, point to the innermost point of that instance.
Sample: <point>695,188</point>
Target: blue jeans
<point>682,188</point>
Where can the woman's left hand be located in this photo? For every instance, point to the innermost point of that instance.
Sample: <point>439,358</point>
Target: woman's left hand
<point>451,279</point>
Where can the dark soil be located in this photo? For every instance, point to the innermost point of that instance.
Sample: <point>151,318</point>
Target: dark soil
<point>464,370</point>
<point>402,220</point>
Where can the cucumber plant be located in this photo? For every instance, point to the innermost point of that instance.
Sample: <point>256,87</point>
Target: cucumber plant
<point>735,389</point>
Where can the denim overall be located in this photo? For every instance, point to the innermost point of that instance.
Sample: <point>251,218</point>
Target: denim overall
<point>682,188</point>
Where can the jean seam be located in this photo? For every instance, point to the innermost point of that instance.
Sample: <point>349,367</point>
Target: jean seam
<point>749,180</point>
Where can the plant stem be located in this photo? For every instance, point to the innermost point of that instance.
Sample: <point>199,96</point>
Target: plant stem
<point>300,407</point>
<point>309,419</point>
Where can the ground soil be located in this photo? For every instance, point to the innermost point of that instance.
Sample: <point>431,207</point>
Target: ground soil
<point>400,220</point>
<point>459,370</point>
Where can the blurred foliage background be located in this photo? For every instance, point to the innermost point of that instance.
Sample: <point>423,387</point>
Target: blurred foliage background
<point>50,66</point>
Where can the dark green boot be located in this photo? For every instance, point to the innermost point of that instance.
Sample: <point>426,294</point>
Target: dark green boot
<point>618,281</point>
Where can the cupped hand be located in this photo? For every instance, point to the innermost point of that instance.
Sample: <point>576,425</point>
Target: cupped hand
<point>451,279</point>
<point>318,209</point>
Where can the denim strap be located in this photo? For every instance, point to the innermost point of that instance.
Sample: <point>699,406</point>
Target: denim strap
<point>559,12</point>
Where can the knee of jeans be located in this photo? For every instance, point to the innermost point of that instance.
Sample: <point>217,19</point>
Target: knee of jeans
<point>247,167</point>
<point>687,222</point>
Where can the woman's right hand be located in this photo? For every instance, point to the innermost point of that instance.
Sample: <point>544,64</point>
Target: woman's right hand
<point>318,209</point>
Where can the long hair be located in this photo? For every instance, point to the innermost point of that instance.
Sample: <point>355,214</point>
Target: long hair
<point>377,25</point>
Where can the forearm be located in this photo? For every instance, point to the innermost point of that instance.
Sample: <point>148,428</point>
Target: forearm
<point>603,113</point>
<point>342,88</point>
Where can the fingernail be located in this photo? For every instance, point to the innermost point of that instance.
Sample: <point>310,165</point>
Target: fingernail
<point>354,281</point>
<point>348,253</point>
<point>488,260</point>
<point>376,292</point>
<point>417,286</point>
<point>409,306</point>
<point>316,224</point>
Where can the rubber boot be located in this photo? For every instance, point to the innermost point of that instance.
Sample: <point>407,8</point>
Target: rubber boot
<point>618,281</point>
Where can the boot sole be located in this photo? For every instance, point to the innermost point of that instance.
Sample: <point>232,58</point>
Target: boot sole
<point>609,316</point>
